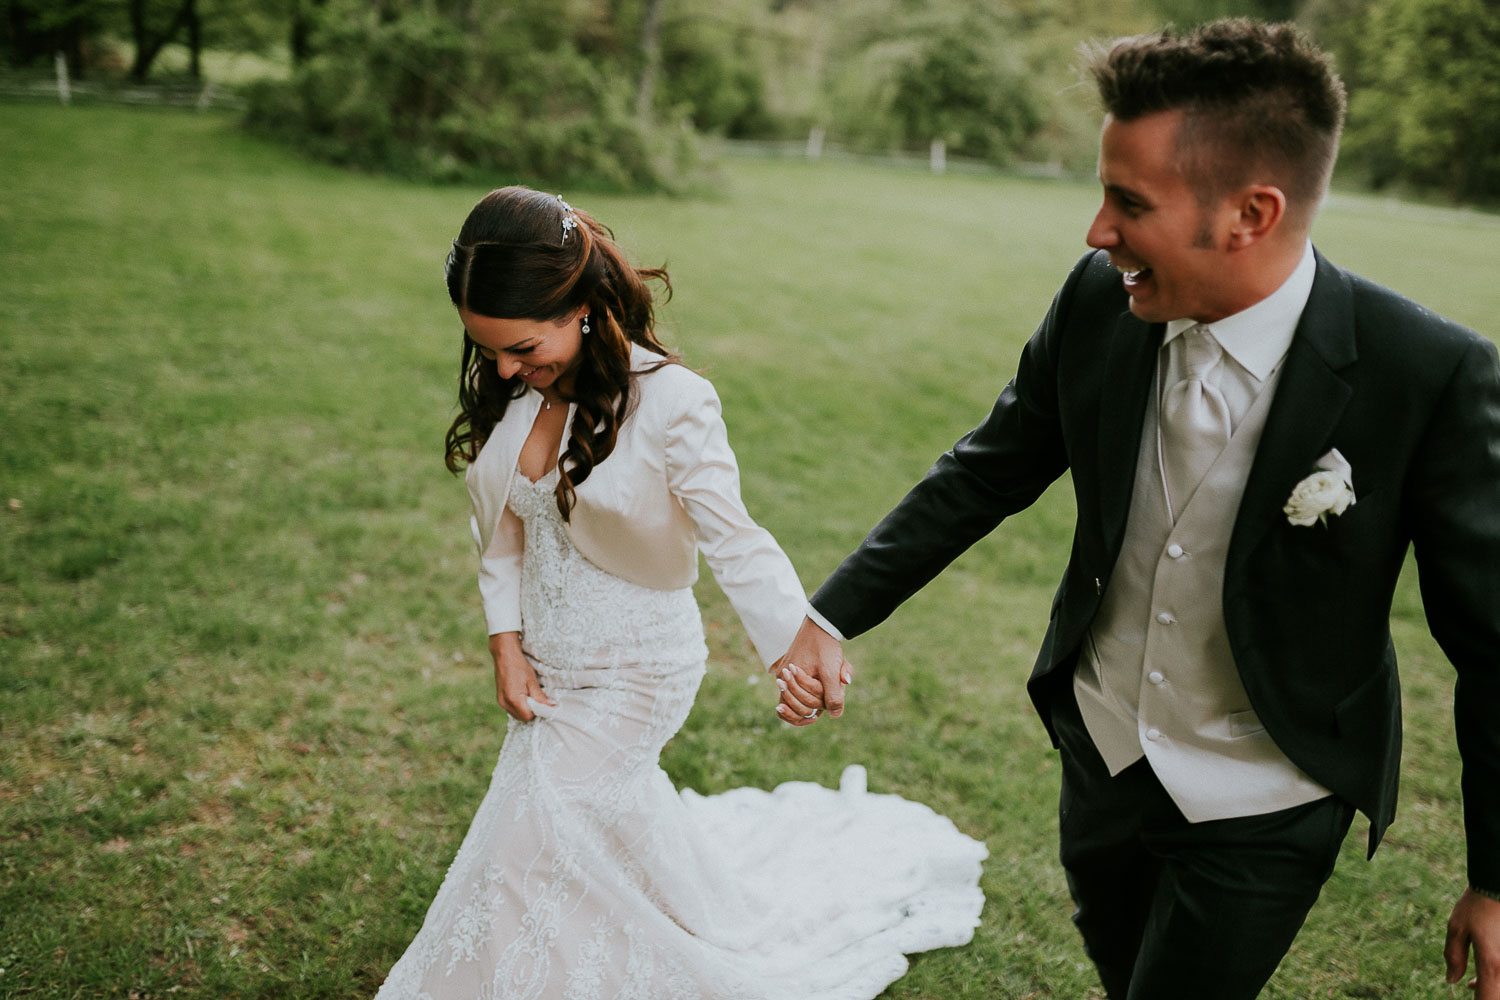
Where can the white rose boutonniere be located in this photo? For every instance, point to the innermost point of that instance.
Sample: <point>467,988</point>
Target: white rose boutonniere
<point>1330,490</point>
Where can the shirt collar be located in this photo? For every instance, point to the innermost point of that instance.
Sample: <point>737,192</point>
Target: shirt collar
<point>1258,337</point>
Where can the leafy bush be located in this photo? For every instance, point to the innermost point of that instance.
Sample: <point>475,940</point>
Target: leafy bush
<point>899,79</point>
<point>951,92</point>
<point>425,95</point>
<point>714,74</point>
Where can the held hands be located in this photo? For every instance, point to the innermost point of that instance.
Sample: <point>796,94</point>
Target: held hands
<point>812,676</point>
<point>1475,923</point>
<point>515,680</point>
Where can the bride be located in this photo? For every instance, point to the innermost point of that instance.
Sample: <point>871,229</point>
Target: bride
<point>599,467</point>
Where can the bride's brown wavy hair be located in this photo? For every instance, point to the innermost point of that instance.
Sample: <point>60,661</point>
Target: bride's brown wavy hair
<point>515,259</point>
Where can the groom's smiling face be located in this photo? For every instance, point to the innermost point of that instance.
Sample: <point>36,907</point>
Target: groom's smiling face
<point>1157,230</point>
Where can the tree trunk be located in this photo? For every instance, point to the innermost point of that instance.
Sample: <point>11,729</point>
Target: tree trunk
<point>300,41</point>
<point>147,46</point>
<point>645,94</point>
<point>72,47</point>
<point>195,39</point>
<point>140,65</point>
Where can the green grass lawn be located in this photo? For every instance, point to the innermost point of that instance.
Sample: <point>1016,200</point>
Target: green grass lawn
<point>244,695</point>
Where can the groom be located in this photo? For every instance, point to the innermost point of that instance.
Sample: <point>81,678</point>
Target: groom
<point>1255,437</point>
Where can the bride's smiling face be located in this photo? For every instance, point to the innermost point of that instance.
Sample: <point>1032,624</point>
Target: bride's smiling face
<point>539,352</point>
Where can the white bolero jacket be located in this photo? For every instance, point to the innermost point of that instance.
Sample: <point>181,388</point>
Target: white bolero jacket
<point>669,489</point>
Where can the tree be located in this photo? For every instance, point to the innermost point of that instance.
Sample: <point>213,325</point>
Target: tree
<point>950,92</point>
<point>901,74</point>
<point>714,64</point>
<point>1428,114</point>
<point>452,89</point>
<point>645,92</point>
<point>35,29</point>
<point>1185,13</point>
<point>86,30</point>
<point>245,25</point>
<point>1338,26</point>
<point>153,26</point>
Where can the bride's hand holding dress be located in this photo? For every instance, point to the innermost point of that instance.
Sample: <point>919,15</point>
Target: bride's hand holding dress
<point>515,679</point>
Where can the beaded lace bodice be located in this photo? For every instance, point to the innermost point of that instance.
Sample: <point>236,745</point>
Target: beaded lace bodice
<point>577,616</point>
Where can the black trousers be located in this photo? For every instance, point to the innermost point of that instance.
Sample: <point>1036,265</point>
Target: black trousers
<point>1172,910</point>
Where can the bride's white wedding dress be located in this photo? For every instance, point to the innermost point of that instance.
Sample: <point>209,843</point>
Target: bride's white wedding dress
<point>587,876</point>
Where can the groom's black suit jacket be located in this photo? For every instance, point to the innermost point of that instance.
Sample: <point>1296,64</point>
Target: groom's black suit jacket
<point>1411,400</point>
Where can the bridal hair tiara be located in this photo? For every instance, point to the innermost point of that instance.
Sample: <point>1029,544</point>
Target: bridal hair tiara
<point>569,219</point>
<point>569,223</point>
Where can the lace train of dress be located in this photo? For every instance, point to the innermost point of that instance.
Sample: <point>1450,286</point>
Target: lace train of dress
<point>585,874</point>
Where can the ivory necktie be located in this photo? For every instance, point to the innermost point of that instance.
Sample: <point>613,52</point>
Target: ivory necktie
<point>1194,420</point>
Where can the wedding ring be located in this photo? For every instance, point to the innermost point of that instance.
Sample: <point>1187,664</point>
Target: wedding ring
<point>813,714</point>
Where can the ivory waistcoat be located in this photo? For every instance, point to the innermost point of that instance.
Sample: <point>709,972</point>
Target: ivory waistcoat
<point>1157,675</point>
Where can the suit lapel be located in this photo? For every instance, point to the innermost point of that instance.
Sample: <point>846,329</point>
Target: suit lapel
<point>1128,387</point>
<point>1310,398</point>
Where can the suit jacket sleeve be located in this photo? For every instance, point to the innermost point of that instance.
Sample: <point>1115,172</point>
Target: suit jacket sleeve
<point>997,469</point>
<point>1453,500</point>
<point>745,560</point>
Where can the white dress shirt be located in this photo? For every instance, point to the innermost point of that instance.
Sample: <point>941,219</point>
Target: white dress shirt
<point>1255,340</point>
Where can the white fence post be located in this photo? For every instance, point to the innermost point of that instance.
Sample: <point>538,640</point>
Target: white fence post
<point>939,156</point>
<point>815,143</point>
<point>64,94</point>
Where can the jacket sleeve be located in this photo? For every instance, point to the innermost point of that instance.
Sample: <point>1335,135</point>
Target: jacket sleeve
<point>1454,503</point>
<point>745,560</point>
<point>500,542</point>
<point>997,469</point>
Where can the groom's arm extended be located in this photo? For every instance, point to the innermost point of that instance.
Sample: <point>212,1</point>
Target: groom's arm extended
<point>1454,499</point>
<point>997,469</point>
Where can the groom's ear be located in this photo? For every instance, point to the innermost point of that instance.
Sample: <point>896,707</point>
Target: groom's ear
<point>1258,210</point>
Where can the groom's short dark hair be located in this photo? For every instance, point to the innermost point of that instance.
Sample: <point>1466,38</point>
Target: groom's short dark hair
<point>1257,98</point>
